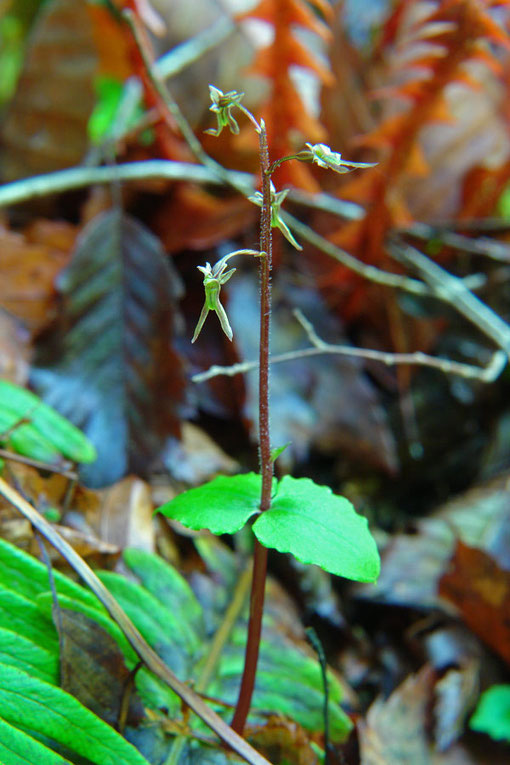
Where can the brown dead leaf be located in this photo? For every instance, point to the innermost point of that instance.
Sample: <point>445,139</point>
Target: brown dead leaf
<point>480,590</point>
<point>414,563</point>
<point>456,695</point>
<point>30,264</point>
<point>125,517</point>
<point>194,219</point>
<point>196,458</point>
<point>394,731</point>
<point>51,495</point>
<point>88,546</point>
<point>14,350</point>
<point>112,42</point>
<point>46,125</point>
<point>282,740</point>
<point>92,668</point>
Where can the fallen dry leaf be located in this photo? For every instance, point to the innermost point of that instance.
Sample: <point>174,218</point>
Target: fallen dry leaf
<point>30,263</point>
<point>195,458</point>
<point>14,350</point>
<point>414,563</point>
<point>394,731</point>
<point>125,517</point>
<point>282,740</point>
<point>456,695</point>
<point>46,125</point>
<point>480,590</point>
<point>92,668</point>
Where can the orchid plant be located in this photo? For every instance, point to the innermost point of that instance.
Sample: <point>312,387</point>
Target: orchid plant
<point>291,515</point>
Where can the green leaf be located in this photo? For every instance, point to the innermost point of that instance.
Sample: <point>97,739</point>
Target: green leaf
<point>283,666</point>
<point>492,714</point>
<point>26,655</point>
<point>46,711</point>
<point>25,439</point>
<point>172,618</point>
<point>319,527</point>
<point>17,748</point>
<point>24,617</point>
<point>223,505</point>
<point>168,586</point>
<point>170,636</point>
<point>109,364</point>
<point>47,433</point>
<point>29,577</point>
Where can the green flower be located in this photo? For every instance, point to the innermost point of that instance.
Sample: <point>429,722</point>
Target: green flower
<point>276,220</point>
<point>214,277</point>
<point>222,105</point>
<point>324,157</point>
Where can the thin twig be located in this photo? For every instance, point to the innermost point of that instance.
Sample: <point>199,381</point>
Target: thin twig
<point>191,50</point>
<point>323,201</point>
<point>453,291</point>
<point>151,660</point>
<point>482,245</point>
<point>369,272</point>
<point>486,374</point>
<point>47,466</point>
<point>79,177</point>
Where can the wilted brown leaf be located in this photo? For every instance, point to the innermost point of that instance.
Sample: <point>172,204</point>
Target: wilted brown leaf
<point>414,563</point>
<point>125,517</point>
<point>92,668</point>
<point>110,365</point>
<point>46,125</point>
<point>480,590</point>
<point>282,740</point>
<point>30,263</point>
<point>194,219</point>
<point>394,730</point>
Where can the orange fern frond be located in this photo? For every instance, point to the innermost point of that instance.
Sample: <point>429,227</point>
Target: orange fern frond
<point>453,34</point>
<point>289,123</point>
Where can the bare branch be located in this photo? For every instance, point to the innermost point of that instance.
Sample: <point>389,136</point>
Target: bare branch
<point>482,245</point>
<point>453,290</point>
<point>78,177</point>
<point>486,374</point>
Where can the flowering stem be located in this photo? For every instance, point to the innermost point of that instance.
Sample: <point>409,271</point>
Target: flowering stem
<point>266,463</point>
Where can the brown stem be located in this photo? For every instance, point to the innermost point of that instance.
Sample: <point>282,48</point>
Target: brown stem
<point>266,463</point>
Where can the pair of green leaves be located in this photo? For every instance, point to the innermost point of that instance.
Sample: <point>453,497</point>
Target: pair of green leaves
<point>304,519</point>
